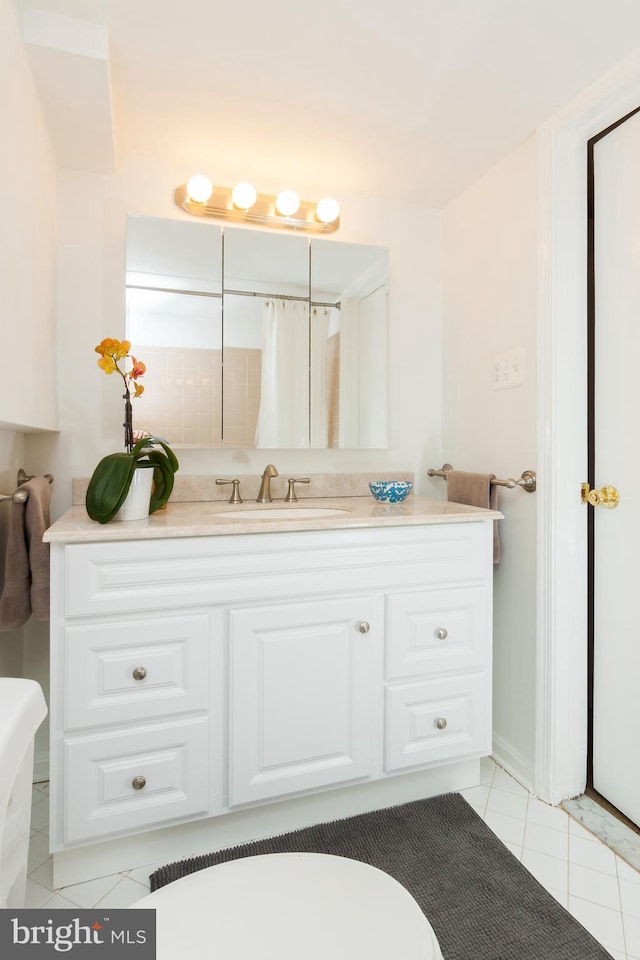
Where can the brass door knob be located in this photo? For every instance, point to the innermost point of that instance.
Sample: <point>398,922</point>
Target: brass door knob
<point>607,497</point>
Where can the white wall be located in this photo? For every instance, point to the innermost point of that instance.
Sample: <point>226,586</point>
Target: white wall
<point>28,399</point>
<point>27,241</point>
<point>91,274</point>
<point>490,307</point>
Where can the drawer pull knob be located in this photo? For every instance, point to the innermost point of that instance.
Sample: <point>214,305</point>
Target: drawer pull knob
<point>364,627</point>
<point>139,673</point>
<point>442,633</point>
<point>441,723</point>
<point>138,783</point>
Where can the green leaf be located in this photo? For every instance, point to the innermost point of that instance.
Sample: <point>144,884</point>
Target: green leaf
<point>139,450</point>
<point>163,476</point>
<point>164,467</point>
<point>109,486</point>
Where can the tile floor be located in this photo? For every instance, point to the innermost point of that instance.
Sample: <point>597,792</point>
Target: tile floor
<point>599,888</point>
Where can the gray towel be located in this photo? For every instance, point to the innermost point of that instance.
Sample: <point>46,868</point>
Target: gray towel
<point>26,576</point>
<point>476,490</point>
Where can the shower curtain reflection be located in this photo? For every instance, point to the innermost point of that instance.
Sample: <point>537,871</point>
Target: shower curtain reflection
<point>283,420</point>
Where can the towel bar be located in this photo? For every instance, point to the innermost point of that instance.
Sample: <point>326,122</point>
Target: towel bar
<point>19,496</point>
<point>527,481</point>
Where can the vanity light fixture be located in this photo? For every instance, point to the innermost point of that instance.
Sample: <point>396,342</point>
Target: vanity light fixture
<point>242,204</point>
<point>327,210</point>
<point>199,188</point>
<point>287,203</point>
<point>244,196</point>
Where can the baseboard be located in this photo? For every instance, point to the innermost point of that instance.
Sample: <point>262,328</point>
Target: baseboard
<point>513,762</point>
<point>41,768</point>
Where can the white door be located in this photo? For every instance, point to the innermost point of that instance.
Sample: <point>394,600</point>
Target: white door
<point>616,461</point>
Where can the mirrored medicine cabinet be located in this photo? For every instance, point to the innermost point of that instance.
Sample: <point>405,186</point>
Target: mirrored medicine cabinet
<point>257,339</point>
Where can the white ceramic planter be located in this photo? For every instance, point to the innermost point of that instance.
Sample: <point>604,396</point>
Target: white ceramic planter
<point>136,505</point>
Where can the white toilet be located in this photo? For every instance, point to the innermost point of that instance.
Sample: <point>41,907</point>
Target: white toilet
<point>285,906</point>
<point>22,710</point>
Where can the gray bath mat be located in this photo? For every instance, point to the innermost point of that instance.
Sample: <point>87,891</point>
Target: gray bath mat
<point>481,902</point>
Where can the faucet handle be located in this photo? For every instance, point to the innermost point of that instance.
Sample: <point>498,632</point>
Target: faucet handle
<point>291,493</point>
<point>235,493</point>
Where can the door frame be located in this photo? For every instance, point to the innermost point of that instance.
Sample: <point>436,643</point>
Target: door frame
<point>561,661</point>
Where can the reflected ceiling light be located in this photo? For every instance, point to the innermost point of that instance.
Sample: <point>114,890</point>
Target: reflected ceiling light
<point>242,204</point>
<point>244,196</point>
<point>327,210</point>
<point>199,188</point>
<point>287,203</point>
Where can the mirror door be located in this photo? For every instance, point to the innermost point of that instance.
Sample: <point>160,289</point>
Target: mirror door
<point>174,323</point>
<point>349,345</point>
<point>265,398</point>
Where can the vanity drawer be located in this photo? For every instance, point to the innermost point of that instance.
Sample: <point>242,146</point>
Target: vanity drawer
<point>134,779</point>
<point>436,720</point>
<point>150,575</point>
<point>437,631</point>
<point>134,670</point>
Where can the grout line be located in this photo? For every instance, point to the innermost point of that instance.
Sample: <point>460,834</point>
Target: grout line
<point>624,926</point>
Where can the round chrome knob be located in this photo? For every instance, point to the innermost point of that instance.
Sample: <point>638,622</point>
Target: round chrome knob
<point>139,673</point>
<point>364,627</point>
<point>441,723</point>
<point>138,783</point>
<point>441,633</point>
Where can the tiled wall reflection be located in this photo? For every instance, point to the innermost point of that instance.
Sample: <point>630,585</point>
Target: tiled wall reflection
<point>182,395</point>
<point>242,376</point>
<point>181,400</point>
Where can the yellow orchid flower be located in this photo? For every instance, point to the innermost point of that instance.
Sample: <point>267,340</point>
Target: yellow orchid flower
<point>107,364</point>
<point>111,352</point>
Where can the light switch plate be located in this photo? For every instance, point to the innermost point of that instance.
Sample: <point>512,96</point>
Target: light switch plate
<point>508,370</point>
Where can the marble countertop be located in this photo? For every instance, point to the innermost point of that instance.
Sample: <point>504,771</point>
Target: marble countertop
<point>211,518</point>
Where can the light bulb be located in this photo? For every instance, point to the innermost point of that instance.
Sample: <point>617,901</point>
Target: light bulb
<point>243,196</point>
<point>287,203</point>
<point>327,210</point>
<point>199,188</point>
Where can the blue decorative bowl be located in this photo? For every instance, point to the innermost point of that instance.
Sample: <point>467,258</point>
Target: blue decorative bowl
<point>391,491</point>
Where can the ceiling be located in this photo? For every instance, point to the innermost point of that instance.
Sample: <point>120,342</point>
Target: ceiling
<point>409,100</point>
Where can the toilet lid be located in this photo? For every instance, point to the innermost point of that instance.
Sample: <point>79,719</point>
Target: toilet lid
<point>289,906</point>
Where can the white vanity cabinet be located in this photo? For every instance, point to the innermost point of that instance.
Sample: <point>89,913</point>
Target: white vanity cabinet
<point>208,678</point>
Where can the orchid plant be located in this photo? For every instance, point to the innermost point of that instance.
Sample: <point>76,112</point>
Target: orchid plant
<point>112,353</point>
<point>111,479</point>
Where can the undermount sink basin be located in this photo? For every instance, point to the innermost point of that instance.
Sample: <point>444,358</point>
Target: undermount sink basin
<point>282,513</point>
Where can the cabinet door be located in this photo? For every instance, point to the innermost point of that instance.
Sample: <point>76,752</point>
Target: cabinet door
<point>304,691</point>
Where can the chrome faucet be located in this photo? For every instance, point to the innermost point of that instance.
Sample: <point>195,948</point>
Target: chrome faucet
<point>264,494</point>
